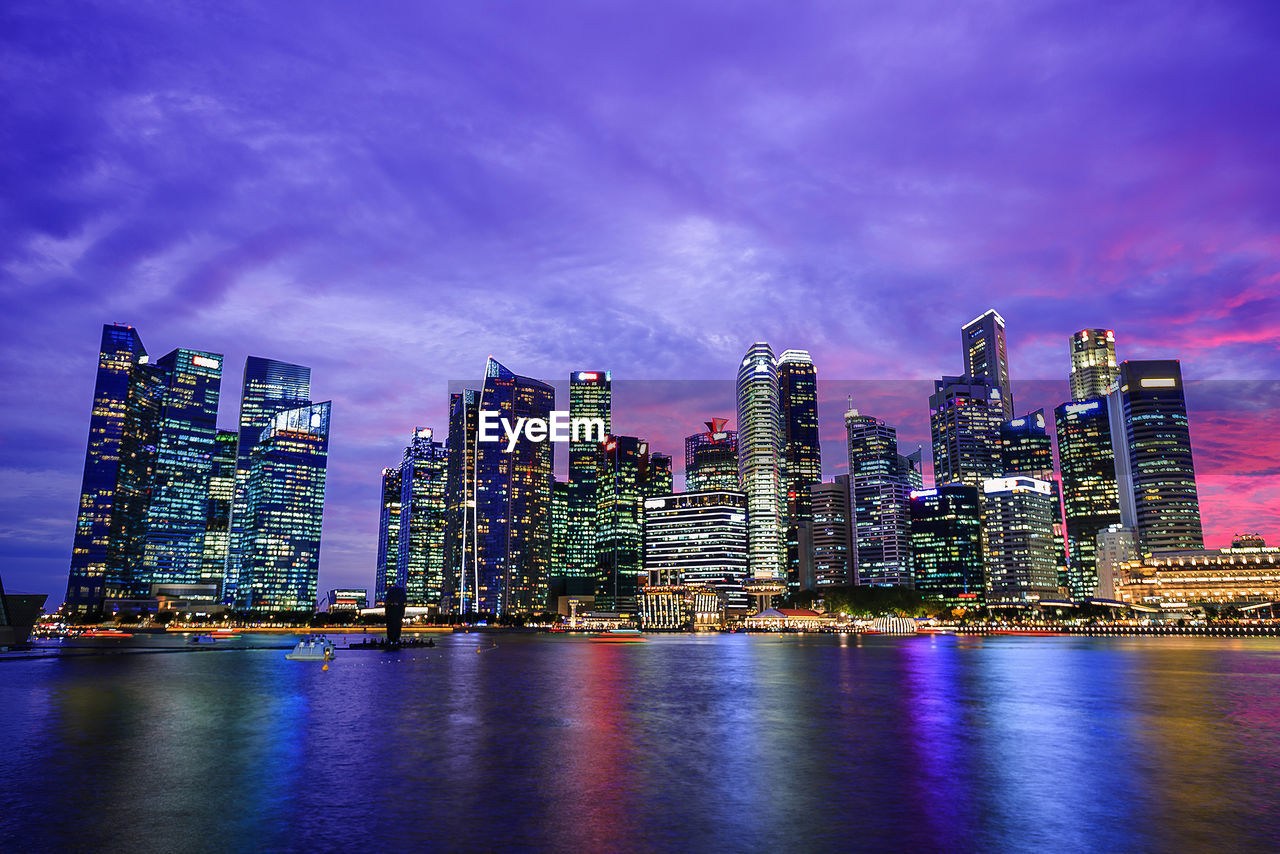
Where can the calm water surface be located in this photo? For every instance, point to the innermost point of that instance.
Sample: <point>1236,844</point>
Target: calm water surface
<point>711,743</point>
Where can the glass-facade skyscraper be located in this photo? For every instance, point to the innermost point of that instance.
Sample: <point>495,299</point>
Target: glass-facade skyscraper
<point>460,549</point>
<point>965,415</point>
<point>711,459</point>
<point>1019,553</point>
<point>420,563</point>
<point>946,544</point>
<point>222,487</point>
<point>698,540</point>
<point>590,396</point>
<point>628,473</point>
<point>878,493</point>
<point>802,455</point>
<point>761,472</point>
<point>1093,363</point>
<point>1089,492</point>
<point>285,510</point>
<point>1156,479</point>
<point>268,386</point>
<point>986,357</point>
<point>832,539</point>
<point>388,535</point>
<point>120,350</point>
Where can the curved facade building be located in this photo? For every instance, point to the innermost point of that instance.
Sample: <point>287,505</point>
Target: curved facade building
<point>760,466</point>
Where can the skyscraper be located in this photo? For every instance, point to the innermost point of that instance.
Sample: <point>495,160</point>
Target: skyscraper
<point>460,502</point>
<point>1019,554</point>
<point>761,461</point>
<point>1093,363</point>
<point>268,386</point>
<point>879,491</point>
<point>590,396</point>
<point>946,544</point>
<point>628,474</point>
<point>420,564</point>
<point>802,452</point>
<point>388,535</point>
<point>1089,492</point>
<point>1027,448</point>
<point>1155,477</point>
<point>986,357</point>
<point>285,510</point>
<point>965,415</point>
<point>832,534</point>
<point>698,539</point>
<point>559,528</point>
<point>120,350</point>
<point>222,487</point>
<point>711,459</point>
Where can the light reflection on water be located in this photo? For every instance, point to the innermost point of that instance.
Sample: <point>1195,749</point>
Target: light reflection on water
<point>713,742</point>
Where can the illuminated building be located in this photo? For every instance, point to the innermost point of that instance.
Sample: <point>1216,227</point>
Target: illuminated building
<point>590,396</point>
<point>388,535</point>
<point>802,454</point>
<point>1019,556</point>
<point>878,494</point>
<point>268,386</point>
<point>347,599</point>
<point>965,415</point>
<point>831,541</point>
<point>139,440</point>
<point>222,487</point>
<point>1240,576</point>
<point>663,607</point>
<point>946,544</point>
<point>711,459</point>
<point>911,468</point>
<point>760,462</point>
<point>559,528</point>
<point>121,349</point>
<point>1093,363</point>
<point>460,504</point>
<point>1091,500</point>
<point>1115,545</point>
<point>698,540</point>
<point>1027,448</point>
<point>285,511</point>
<point>420,563</point>
<point>1156,481</point>
<point>986,357</point>
<point>628,474</point>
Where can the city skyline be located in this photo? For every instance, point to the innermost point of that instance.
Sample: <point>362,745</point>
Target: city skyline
<point>782,192</point>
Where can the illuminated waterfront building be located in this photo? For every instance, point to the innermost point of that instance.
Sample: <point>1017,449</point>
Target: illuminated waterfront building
<point>1027,448</point>
<point>1115,545</point>
<point>460,504</point>
<point>946,544</point>
<point>628,474</point>
<point>388,535</point>
<point>268,386</point>
<point>965,415</point>
<point>698,540</point>
<point>1093,363</point>
<point>222,487</point>
<point>986,356</point>
<point>590,396</point>
<point>420,563</point>
<point>120,351</point>
<point>878,493</point>
<point>761,462</point>
<point>1156,480</point>
<point>1241,576</point>
<point>559,528</point>
<point>802,454</point>
<point>1019,555</point>
<point>347,599</point>
<point>285,511</point>
<point>711,459</point>
<point>1089,492</point>
<point>831,541</point>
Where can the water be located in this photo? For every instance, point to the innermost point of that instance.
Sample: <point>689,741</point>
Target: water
<point>712,743</point>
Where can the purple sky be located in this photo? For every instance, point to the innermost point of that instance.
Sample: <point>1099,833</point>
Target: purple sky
<point>389,192</point>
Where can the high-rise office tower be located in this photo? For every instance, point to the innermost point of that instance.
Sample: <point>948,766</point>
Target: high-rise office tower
<point>512,496</point>
<point>120,350</point>
<point>285,510</point>
<point>173,542</point>
<point>946,544</point>
<point>711,459</point>
<point>1019,554</point>
<point>268,386</point>
<point>965,415</point>
<point>420,564</point>
<point>1115,546</point>
<point>559,528</point>
<point>222,488</point>
<point>388,535</point>
<point>802,454</point>
<point>986,357</point>
<point>879,492</point>
<point>832,534</point>
<point>761,463</point>
<point>1089,491</point>
<point>1156,480</point>
<point>1027,448</point>
<point>629,473</point>
<point>1093,363</point>
<point>460,548</point>
<point>698,539</point>
<point>911,466</point>
<point>590,396</point>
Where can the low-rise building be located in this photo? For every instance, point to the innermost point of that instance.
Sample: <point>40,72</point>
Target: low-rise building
<point>1241,576</point>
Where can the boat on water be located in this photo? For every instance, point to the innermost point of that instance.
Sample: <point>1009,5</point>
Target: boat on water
<point>620,636</point>
<point>312,648</point>
<point>106,633</point>
<point>203,639</point>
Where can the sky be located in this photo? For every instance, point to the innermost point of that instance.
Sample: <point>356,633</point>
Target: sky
<point>391,192</point>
